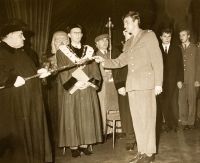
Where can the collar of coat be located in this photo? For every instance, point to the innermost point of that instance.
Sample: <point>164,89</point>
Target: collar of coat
<point>7,47</point>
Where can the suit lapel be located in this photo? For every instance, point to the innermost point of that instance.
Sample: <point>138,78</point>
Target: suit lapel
<point>161,48</point>
<point>103,55</point>
<point>137,37</point>
<point>170,48</point>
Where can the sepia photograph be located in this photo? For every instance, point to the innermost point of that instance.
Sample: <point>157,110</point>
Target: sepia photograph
<point>99,81</point>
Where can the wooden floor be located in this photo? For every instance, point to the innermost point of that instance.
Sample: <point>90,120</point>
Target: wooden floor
<point>182,147</point>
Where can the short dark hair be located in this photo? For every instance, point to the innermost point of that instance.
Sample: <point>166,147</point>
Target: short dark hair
<point>134,15</point>
<point>186,30</point>
<point>167,30</point>
<point>71,26</point>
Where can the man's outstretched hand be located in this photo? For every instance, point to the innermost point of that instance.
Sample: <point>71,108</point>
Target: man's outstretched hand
<point>98,59</point>
<point>85,60</point>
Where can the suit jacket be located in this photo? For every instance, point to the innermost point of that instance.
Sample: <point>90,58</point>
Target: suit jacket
<point>105,74</point>
<point>144,59</point>
<point>120,74</point>
<point>191,61</point>
<point>173,64</point>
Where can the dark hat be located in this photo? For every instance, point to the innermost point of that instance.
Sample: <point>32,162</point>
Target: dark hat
<point>71,26</point>
<point>12,25</point>
<point>101,36</point>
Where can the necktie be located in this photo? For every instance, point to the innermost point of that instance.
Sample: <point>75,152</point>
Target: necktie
<point>106,53</point>
<point>185,46</point>
<point>165,49</point>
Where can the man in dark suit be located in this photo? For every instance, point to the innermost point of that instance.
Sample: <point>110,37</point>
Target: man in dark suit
<point>167,101</point>
<point>107,90</point>
<point>119,76</point>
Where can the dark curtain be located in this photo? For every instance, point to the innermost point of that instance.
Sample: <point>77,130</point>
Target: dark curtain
<point>37,14</point>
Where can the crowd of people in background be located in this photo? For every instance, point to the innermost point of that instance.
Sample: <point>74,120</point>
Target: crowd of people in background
<point>155,83</point>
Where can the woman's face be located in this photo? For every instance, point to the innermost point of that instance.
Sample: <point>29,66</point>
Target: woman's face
<point>60,39</point>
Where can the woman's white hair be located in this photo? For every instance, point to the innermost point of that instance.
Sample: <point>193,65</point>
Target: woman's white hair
<point>53,48</point>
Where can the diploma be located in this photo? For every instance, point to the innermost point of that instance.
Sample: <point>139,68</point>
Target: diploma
<point>79,75</point>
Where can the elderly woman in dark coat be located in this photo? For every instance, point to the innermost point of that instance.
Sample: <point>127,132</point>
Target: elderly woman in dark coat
<point>50,61</point>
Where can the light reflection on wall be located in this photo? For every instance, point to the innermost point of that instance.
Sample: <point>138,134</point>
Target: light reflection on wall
<point>178,14</point>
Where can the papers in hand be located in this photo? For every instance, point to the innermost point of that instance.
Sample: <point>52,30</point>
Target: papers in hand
<point>81,76</point>
<point>89,52</point>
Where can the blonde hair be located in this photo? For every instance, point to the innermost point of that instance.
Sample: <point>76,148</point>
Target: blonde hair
<point>53,48</point>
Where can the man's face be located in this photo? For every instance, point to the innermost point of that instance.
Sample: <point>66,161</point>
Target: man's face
<point>17,39</point>
<point>129,24</point>
<point>102,44</point>
<point>75,35</point>
<point>60,39</point>
<point>166,38</point>
<point>184,37</point>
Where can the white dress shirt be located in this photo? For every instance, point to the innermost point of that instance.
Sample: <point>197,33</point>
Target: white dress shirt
<point>166,45</point>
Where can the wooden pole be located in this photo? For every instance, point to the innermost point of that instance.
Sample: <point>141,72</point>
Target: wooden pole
<point>109,25</point>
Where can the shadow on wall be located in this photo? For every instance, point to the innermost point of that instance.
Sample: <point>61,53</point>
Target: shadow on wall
<point>178,15</point>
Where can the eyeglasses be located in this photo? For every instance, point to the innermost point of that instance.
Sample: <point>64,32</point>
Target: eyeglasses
<point>77,33</point>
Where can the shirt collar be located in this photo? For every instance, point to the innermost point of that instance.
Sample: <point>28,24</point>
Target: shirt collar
<point>164,45</point>
<point>187,44</point>
<point>7,47</point>
<point>103,51</point>
<point>77,46</point>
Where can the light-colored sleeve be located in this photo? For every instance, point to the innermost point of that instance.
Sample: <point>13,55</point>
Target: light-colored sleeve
<point>119,62</point>
<point>156,58</point>
<point>198,64</point>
